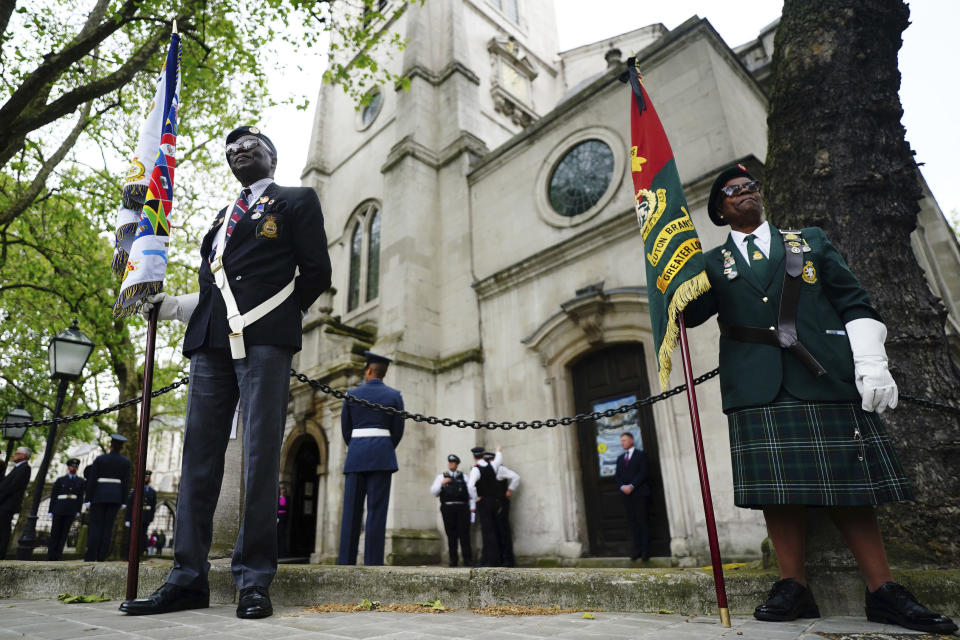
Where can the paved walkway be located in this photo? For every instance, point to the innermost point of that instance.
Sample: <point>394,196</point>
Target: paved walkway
<point>54,620</point>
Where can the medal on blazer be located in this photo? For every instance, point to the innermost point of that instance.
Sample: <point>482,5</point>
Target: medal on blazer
<point>729,264</point>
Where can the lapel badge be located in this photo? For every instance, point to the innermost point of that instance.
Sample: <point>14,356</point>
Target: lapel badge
<point>269,228</point>
<point>792,236</point>
<point>271,202</point>
<point>806,247</point>
<point>757,255</point>
<point>795,249</point>
<point>253,130</point>
<point>256,216</point>
<point>729,265</point>
<point>809,273</point>
<point>263,199</point>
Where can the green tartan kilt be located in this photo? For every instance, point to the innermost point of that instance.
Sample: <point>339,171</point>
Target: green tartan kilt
<point>813,453</point>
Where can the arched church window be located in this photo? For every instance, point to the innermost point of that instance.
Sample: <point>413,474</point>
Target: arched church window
<point>581,177</point>
<point>371,110</point>
<point>356,250</point>
<point>364,234</point>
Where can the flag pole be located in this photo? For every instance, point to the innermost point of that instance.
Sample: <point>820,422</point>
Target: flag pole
<point>133,558</point>
<point>715,560</point>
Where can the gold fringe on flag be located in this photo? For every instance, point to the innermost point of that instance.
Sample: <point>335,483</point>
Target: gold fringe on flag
<point>686,293</point>
<point>119,264</point>
<point>147,288</point>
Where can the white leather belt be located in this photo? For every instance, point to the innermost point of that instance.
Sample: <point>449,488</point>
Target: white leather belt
<point>67,496</point>
<point>370,432</point>
<point>235,319</point>
<point>147,507</point>
<point>109,480</point>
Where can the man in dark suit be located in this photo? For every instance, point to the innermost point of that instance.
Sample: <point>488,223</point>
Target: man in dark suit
<point>12,487</point>
<point>264,261</point>
<point>149,507</point>
<point>371,437</point>
<point>66,499</point>
<point>631,477</point>
<point>107,481</point>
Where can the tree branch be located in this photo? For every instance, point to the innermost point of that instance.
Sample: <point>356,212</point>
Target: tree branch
<point>25,199</point>
<point>6,10</point>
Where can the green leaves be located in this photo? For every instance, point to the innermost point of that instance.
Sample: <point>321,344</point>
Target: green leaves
<point>67,598</point>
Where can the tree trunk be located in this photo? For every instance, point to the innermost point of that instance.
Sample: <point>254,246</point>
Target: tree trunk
<point>838,159</point>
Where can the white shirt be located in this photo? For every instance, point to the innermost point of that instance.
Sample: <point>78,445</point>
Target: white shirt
<point>503,473</point>
<point>762,240</point>
<point>475,476</point>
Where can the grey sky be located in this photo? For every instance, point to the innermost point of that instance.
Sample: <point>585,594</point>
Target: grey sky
<point>927,93</point>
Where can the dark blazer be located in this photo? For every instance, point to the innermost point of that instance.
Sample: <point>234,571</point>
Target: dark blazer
<point>149,505</point>
<point>752,375</point>
<point>109,466</point>
<point>13,486</point>
<point>67,486</point>
<point>634,472</point>
<point>371,454</point>
<point>268,244</point>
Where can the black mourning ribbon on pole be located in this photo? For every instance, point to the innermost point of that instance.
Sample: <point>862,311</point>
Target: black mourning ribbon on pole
<point>632,76</point>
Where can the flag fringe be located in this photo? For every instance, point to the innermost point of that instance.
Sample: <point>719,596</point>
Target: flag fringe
<point>686,293</point>
<point>135,292</point>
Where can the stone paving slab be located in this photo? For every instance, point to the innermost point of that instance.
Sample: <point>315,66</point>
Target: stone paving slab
<point>50,619</point>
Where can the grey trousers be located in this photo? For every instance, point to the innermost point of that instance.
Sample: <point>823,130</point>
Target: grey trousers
<point>262,383</point>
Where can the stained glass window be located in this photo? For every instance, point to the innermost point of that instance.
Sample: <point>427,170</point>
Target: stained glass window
<point>356,248</point>
<point>581,178</point>
<point>373,257</point>
<point>371,111</point>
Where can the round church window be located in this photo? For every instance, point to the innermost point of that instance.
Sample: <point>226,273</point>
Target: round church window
<point>581,178</point>
<point>372,109</point>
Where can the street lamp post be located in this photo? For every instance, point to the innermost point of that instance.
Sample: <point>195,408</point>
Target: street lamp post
<point>12,432</point>
<point>68,352</point>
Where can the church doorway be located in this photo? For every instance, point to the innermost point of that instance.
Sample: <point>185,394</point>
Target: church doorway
<point>605,379</point>
<point>303,495</point>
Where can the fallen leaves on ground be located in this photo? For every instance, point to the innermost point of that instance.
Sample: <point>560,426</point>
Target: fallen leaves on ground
<point>732,566</point>
<point>67,598</point>
<point>431,606</point>
<point>499,611</point>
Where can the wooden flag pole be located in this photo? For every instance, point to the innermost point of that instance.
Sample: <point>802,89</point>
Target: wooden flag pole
<point>718,582</point>
<point>133,558</point>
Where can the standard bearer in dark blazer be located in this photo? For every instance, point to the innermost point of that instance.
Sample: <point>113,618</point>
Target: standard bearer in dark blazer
<point>108,478</point>
<point>803,377</point>
<point>66,500</point>
<point>12,487</point>
<point>263,262</point>
<point>371,437</point>
<point>631,478</point>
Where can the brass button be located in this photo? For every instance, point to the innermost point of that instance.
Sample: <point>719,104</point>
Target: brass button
<point>765,298</point>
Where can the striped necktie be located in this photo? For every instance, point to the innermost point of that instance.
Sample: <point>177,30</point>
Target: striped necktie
<point>239,208</point>
<point>758,261</point>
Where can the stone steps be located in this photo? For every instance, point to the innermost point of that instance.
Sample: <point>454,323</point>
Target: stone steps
<point>687,591</point>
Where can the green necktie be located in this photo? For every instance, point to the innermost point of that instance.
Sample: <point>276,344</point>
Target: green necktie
<point>758,261</point>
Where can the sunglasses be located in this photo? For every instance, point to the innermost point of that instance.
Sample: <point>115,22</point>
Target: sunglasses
<point>242,145</point>
<point>736,189</point>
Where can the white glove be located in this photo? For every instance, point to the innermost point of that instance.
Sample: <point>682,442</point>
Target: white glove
<point>86,505</point>
<point>126,524</point>
<point>877,387</point>
<point>171,307</point>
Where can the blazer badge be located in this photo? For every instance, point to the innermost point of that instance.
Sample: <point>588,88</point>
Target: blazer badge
<point>809,273</point>
<point>269,228</point>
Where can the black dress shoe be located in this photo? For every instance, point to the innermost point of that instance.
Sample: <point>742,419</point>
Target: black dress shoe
<point>169,597</point>
<point>891,603</point>
<point>788,600</point>
<point>254,603</point>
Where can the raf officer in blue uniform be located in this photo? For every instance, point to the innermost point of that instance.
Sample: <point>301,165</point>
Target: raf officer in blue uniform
<point>66,499</point>
<point>107,481</point>
<point>371,437</point>
<point>149,507</point>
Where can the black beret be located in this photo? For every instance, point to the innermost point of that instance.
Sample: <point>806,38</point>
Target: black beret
<point>247,130</point>
<point>713,205</point>
<point>477,452</point>
<point>374,357</point>
<point>453,458</point>
<point>73,462</point>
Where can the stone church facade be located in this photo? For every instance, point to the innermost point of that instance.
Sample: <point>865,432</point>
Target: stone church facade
<point>482,232</point>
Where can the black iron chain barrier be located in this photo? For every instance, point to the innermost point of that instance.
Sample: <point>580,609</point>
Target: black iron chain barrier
<point>449,422</point>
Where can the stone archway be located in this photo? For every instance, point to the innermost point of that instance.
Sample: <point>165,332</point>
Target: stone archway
<point>303,470</point>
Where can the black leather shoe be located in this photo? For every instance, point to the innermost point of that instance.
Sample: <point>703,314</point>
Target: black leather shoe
<point>169,597</point>
<point>254,603</point>
<point>788,600</point>
<point>891,603</point>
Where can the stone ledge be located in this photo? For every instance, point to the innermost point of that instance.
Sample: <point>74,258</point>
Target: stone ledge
<point>687,591</point>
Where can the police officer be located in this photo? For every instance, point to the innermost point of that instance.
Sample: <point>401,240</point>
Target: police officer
<point>263,262</point>
<point>12,487</point>
<point>803,377</point>
<point>507,482</point>
<point>484,493</point>
<point>148,511</point>
<point>66,500</point>
<point>107,481</point>
<point>372,437</point>
<point>451,487</point>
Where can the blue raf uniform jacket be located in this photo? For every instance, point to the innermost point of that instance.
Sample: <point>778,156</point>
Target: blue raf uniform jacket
<point>67,496</point>
<point>149,505</point>
<point>377,453</point>
<point>108,479</point>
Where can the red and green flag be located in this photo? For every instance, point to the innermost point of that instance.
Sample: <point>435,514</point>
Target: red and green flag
<point>672,252</point>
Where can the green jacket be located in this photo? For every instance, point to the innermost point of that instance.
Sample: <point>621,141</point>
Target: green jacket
<point>752,374</point>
